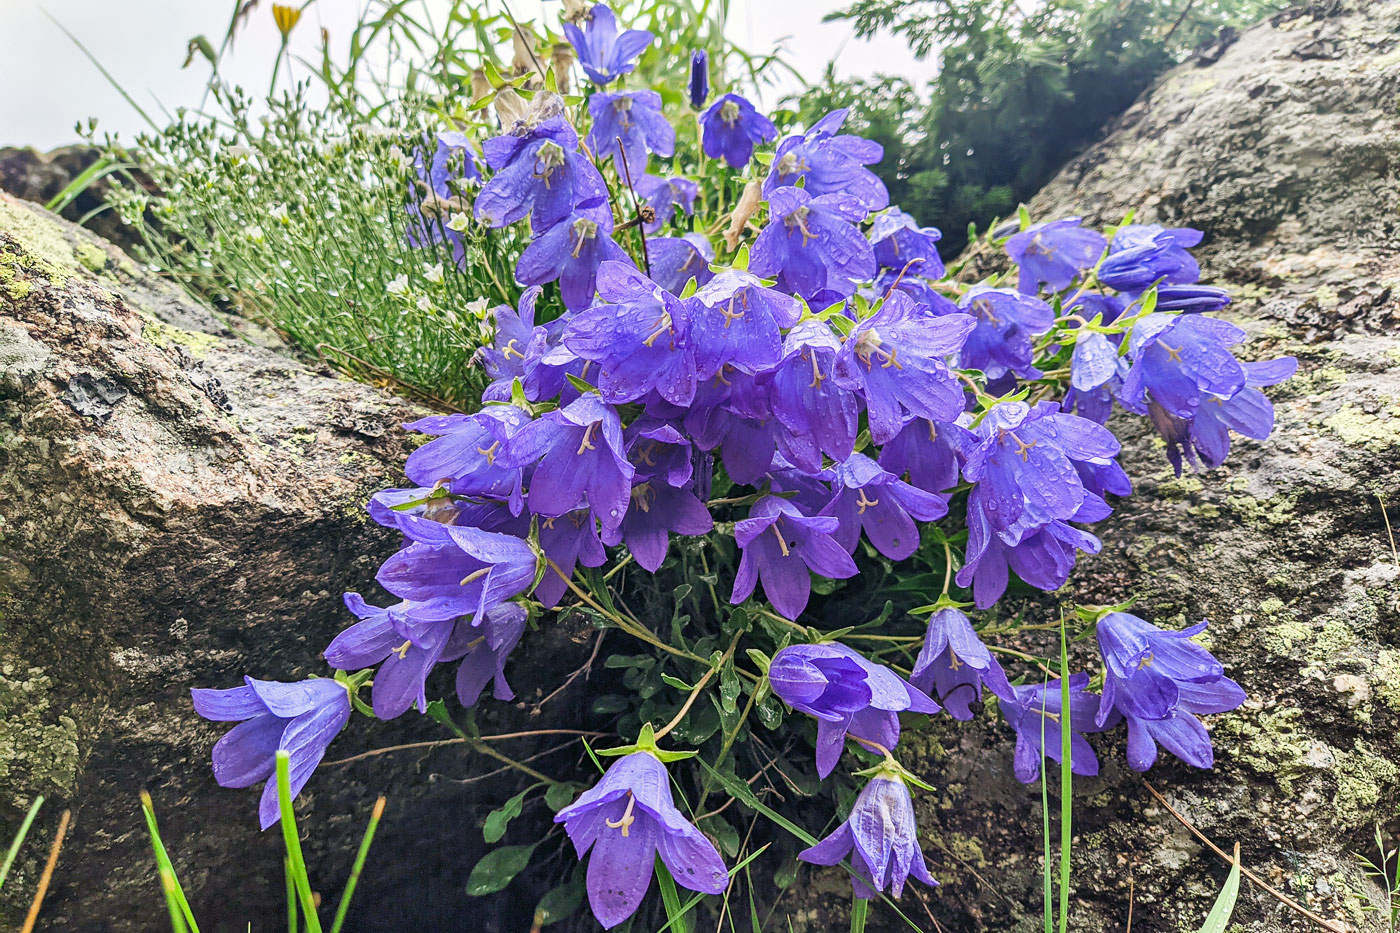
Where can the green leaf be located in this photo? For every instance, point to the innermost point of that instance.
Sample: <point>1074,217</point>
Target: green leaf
<point>559,796</point>
<point>579,384</point>
<point>494,827</point>
<point>1023,214</point>
<point>1219,915</point>
<point>676,682</point>
<point>560,902</point>
<point>729,688</point>
<point>498,868</point>
<point>670,898</point>
<point>206,51</point>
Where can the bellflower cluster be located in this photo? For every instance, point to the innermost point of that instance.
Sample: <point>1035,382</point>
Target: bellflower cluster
<point>762,424</point>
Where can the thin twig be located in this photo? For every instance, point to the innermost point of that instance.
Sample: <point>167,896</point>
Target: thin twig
<point>47,876</point>
<point>695,691</point>
<point>1130,904</point>
<point>439,743</point>
<point>636,204</point>
<point>1259,882</point>
<point>586,670</point>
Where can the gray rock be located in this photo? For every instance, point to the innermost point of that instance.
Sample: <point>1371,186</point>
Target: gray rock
<point>1285,152</point>
<point>181,504</point>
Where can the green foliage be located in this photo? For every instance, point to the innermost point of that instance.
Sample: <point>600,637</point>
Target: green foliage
<point>1021,89</point>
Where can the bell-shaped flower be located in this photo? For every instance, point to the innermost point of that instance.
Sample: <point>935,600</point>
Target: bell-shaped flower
<point>902,246</point>
<point>731,127</point>
<point>736,320</point>
<point>895,358</point>
<point>665,196</point>
<point>512,334</point>
<point>567,540</point>
<point>627,819</point>
<point>453,159</point>
<point>677,260</point>
<point>927,454</point>
<point>1023,465</point>
<point>699,85</point>
<point>486,652</point>
<point>540,173</point>
<point>659,510</point>
<point>639,334</point>
<point>882,837</point>
<point>1036,713</point>
<point>463,457</point>
<point>885,507</point>
<point>1158,680</point>
<point>1006,321</point>
<point>811,243</point>
<point>1248,412</point>
<point>1194,299</point>
<point>300,719</point>
<point>572,251</point>
<point>780,545</point>
<point>1096,376</point>
<point>845,693</point>
<point>604,52</point>
<point>953,664</point>
<point>633,121</point>
<point>1041,555</point>
<point>581,458</point>
<point>821,416</point>
<point>1054,254</point>
<point>1143,254</point>
<point>657,450</point>
<point>459,570</point>
<point>826,161</point>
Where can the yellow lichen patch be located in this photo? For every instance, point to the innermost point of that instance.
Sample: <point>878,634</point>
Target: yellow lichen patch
<point>165,336</point>
<point>1361,428</point>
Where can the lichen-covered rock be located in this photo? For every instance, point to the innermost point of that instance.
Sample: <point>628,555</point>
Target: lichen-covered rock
<point>1285,151</point>
<point>181,504</point>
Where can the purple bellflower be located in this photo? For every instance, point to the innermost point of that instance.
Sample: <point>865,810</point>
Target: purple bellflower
<point>1054,254</point>
<point>895,358</point>
<point>540,173</point>
<point>1142,254</point>
<point>735,320</point>
<point>899,241</point>
<point>627,819</point>
<point>827,162</point>
<point>300,719</point>
<point>954,664</point>
<point>659,509</point>
<point>581,457</point>
<point>732,127</point>
<point>605,53</point>
<point>1158,679</point>
<point>1196,299</point>
<point>486,653</point>
<point>572,251</point>
<point>1006,321</point>
<point>665,195</point>
<point>882,505</point>
<point>454,570</point>
<point>820,416</point>
<point>504,359</point>
<point>882,837</point>
<point>639,335</point>
<point>1035,714</point>
<point>677,260</point>
<point>658,450</point>
<point>567,540</point>
<point>1095,377</point>
<point>453,158</point>
<point>1248,411</point>
<point>780,545</point>
<point>845,693</point>
<point>1042,555</point>
<point>635,118</point>
<point>463,457</point>
<point>811,244</point>
<point>699,86</point>
<point>927,454</point>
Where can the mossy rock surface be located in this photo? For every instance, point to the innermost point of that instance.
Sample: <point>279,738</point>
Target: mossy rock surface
<point>1288,162</point>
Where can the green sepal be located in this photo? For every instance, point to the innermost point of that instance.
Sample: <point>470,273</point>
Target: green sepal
<point>646,742</point>
<point>580,384</point>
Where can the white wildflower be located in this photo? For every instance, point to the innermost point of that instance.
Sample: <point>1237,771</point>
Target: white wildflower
<point>433,273</point>
<point>280,214</point>
<point>398,287</point>
<point>458,222</point>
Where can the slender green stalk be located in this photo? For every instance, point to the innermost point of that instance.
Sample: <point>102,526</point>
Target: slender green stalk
<point>860,912</point>
<point>293,843</point>
<point>1066,779</point>
<point>344,908</point>
<point>19,838</point>
<point>291,895</point>
<point>183,916</point>
<point>1045,812</point>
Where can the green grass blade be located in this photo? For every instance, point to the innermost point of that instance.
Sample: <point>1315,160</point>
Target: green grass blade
<point>105,73</point>
<point>19,838</point>
<point>293,843</point>
<point>1045,814</point>
<point>1219,916</point>
<point>1066,780</point>
<point>670,899</point>
<point>181,917</point>
<point>93,173</point>
<point>360,857</point>
<point>695,899</point>
<point>860,911</point>
<point>291,895</point>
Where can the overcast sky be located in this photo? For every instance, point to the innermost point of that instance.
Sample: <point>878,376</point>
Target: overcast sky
<point>46,84</point>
